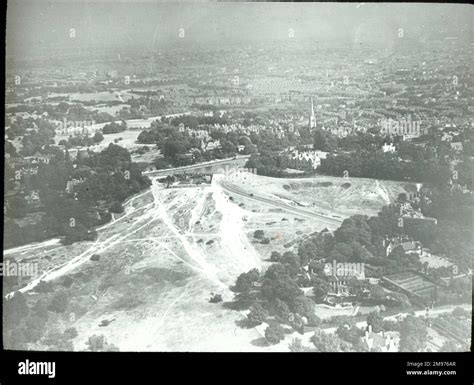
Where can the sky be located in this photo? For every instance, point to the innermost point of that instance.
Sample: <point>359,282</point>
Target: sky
<point>36,26</point>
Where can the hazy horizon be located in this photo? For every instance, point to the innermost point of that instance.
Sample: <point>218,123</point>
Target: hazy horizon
<point>35,28</point>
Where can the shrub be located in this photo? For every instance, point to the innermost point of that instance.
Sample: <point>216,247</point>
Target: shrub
<point>257,314</point>
<point>275,256</point>
<point>297,347</point>
<point>59,302</point>
<point>98,343</point>
<point>70,333</point>
<point>274,333</point>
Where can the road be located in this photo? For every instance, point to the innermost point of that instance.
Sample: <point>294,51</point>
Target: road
<point>418,313</point>
<point>173,170</point>
<point>297,211</point>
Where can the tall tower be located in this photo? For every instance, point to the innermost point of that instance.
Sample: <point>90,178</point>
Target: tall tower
<point>312,118</point>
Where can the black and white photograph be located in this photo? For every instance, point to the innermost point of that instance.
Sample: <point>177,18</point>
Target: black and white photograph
<point>259,177</point>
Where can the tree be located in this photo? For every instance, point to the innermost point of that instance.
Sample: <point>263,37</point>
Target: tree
<point>227,146</point>
<point>116,207</point>
<point>324,141</point>
<point>354,229</point>
<point>413,334</point>
<point>274,333</point>
<point>281,310</point>
<point>258,234</point>
<point>325,342</point>
<point>320,288</point>
<point>98,137</point>
<point>172,148</point>
<point>70,333</point>
<point>275,256</point>
<point>296,346</point>
<point>291,262</point>
<point>281,286</point>
<point>245,281</point>
<point>303,306</point>
<point>257,314</point>
<point>353,335</point>
<point>376,321</point>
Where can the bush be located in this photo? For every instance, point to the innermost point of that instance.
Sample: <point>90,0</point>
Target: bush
<point>275,256</point>
<point>59,302</point>
<point>215,298</point>
<point>303,306</point>
<point>257,314</point>
<point>376,321</point>
<point>70,333</point>
<point>459,312</point>
<point>281,310</point>
<point>98,137</point>
<point>274,333</point>
<point>296,346</point>
<point>98,343</point>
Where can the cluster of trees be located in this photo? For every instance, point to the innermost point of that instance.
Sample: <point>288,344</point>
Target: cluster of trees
<point>37,139</point>
<point>361,156</point>
<point>360,239</point>
<point>275,296</point>
<point>107,179</point>
<point>82,140</point>
<point>174,145</point>
<point>110,176</point>
<point>380,165</point>
<point>324,140</point>
<point>194,122</point>
<point>270,164</point>
<point>114,127</point>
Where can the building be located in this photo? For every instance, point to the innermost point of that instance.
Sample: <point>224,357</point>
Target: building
<point>388,147</point>
<point>305,158</point>
<point>382,341</point>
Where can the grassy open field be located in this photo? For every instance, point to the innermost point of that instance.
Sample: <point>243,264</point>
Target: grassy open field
<point>160,260</point>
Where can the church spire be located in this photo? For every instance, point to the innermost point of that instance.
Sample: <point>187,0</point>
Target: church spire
<point>312,117</point>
